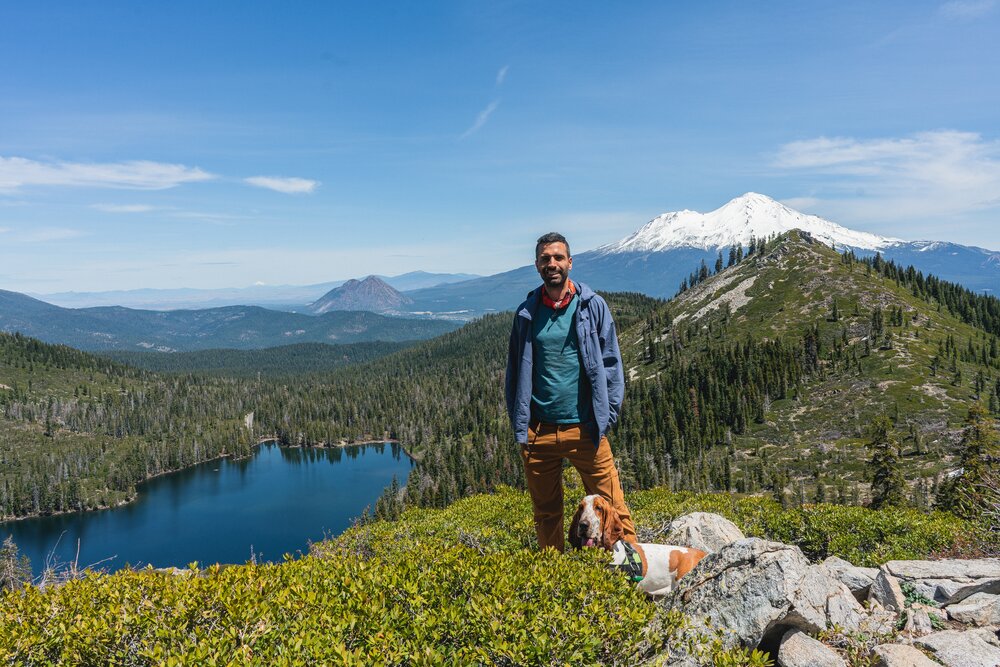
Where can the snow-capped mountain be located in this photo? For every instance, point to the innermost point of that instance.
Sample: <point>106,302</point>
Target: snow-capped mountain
<point>749,216</point>
<point>669,248</point>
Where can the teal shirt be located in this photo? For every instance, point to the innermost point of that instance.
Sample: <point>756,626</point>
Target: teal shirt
<point>559,392</point>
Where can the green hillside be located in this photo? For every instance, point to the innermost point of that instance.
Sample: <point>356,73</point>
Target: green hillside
<point>780,363</point>
<point>283,361</point>
<point>79,432</point>
<point>463,585</point>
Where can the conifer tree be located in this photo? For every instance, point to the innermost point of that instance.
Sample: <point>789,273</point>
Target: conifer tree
<point>15,569</point>
<point>888,484</point>
<point>973,491</point>
<point>877,323</point>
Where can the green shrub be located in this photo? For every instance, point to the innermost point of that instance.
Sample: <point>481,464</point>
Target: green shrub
<point>860,535</point>
<point>462,585</point>
<point>436,605</point>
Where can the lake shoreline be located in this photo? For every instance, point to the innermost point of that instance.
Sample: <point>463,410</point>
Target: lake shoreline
<point>263,506</point>
<point>225,455</point>
<point>343,444</point>
<point>132,497</point>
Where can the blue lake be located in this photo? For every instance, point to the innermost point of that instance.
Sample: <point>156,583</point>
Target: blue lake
<point>222,511</point>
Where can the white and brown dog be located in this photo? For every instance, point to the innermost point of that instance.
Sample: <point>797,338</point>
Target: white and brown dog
<point>596,524</point>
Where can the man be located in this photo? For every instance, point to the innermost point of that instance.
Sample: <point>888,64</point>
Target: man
<point>564,390</point>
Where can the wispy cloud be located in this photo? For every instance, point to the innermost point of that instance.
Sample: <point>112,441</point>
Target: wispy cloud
<point>289,186</point>
<point>43,235</point>
<point>219,219</point>
<point>123,208</point>
<point>502,74</point>
<point>18,172</point>
<point>967,9</point>
<point>921,176</point>
<point>481,119</point>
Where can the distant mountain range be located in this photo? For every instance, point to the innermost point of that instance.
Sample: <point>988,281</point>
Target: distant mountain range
<point>371,294</point>
<point>654,260</point>
<point>283,297</point>
<point>665,251</point>
<point>235,327</point>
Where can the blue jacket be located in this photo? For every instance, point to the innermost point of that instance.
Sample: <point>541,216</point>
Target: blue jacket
<point>599,357</point>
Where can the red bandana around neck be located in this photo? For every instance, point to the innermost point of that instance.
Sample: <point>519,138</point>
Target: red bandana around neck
<point>561,303</point>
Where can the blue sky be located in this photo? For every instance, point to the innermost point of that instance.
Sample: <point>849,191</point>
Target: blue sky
<point>229,143</point>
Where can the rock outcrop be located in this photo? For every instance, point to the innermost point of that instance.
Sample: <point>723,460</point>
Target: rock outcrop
<point>800,650</point>
<point>978,609</point>
<point>964,649</point>
<point>753,589</point>
<point>902,655</point>
<point>756,593</point>
<point>702,530</point>
<point>858,579</point>
<point>949,580</point>
<point>886,591</point>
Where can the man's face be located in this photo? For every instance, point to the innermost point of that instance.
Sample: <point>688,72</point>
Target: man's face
<point>553,263</point>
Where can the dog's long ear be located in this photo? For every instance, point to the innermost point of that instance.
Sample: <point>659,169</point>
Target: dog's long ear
<point>574,528</point>
<point>612,528</point>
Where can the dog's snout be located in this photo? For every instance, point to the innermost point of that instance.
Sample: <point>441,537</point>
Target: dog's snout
<point>583,528</point>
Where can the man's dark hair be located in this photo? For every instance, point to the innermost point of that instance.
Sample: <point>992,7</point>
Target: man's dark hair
<point>551,237</point>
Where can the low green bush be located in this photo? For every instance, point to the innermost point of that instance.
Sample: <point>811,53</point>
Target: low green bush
<point>860,535</point>
<point>436,605</point>
<point>461,585</point>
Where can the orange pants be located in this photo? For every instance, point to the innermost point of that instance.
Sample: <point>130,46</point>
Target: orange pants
<point>543,455</point>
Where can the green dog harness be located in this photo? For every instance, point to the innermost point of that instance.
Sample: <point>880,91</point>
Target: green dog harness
<point>626,558</point>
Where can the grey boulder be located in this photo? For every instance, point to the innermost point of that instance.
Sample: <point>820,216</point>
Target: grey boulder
<point>949,580</point>
<point>886,591</point>
<point>857,579</point>
<point>963,649</point>
<point>918,622</point>
<point>702,530</point>
<point>978,609</point>
<point>754,588</point>
<point>800,650</point>
<point>902,655</point>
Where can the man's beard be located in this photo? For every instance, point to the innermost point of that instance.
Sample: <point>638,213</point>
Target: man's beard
<point>555,279</point>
